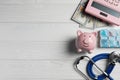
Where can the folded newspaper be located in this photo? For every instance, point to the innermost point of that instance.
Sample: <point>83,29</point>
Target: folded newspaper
<point>85,20</point>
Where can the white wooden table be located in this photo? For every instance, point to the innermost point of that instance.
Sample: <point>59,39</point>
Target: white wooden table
<point>37,40</point>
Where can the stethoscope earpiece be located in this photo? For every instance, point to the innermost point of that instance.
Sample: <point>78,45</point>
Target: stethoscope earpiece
<point>114,57</point>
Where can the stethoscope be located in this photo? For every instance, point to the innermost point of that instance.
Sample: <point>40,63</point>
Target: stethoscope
<point>112,59</point>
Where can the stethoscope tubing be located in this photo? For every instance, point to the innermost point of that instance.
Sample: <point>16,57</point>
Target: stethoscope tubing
<point>108,70</point>
<point>77,70</point>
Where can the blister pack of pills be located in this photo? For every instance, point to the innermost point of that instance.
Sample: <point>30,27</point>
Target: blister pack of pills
<point>109,38</point>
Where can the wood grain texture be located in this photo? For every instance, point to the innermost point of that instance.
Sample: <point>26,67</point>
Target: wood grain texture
<point>58,1</point>
<point>38,31</point>
<point>18,2</point>
<point>37,70</point>
<point>21,2</point>
<point>37,40</point>
<point>37,13</point>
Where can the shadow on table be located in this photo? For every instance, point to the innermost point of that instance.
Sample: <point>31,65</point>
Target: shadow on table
<point>72,50</point>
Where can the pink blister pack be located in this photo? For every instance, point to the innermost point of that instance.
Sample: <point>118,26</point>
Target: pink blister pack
<point>107,10</point>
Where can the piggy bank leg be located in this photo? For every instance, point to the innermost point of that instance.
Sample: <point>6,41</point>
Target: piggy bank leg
<point>79,50</point>
<point>90,51</point>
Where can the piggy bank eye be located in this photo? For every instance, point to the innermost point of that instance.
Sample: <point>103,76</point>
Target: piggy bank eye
<point>89,36</point>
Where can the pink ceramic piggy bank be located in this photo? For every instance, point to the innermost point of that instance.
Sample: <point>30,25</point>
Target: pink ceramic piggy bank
<point>86,41</point>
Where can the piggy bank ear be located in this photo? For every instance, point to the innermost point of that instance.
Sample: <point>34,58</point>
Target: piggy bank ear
<point>79,33</point>
<point>95,33</point>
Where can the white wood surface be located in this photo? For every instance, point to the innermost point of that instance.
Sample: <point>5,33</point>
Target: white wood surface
<point>37,40</point>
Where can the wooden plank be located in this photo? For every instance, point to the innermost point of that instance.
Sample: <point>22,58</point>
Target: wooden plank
<point>10,50</point>
<point>21,2</point>
<point>58,1</point>
<point>17,2</point>
<point>42,70</point>
<point>38,32</point>
<point>37,13</point>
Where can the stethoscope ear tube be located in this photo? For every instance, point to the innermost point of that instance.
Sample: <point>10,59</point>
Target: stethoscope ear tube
<point>76,68</point>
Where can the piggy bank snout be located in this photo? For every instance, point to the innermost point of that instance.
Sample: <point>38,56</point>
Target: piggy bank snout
<point>85,41</point>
